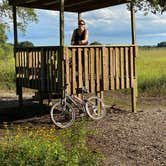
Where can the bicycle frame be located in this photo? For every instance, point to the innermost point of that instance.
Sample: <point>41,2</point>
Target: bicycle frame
<point>77,104</point>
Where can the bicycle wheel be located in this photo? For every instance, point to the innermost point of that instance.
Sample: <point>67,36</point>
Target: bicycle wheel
<point>95,108</point>
<point>62,115</point>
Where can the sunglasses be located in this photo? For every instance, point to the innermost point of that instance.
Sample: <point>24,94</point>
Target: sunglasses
<point>81,24</point>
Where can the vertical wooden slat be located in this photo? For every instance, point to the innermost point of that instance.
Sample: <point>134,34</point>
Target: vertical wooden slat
<point>29,65</point>
<point>47,69</point>
<point>35,71</point>
<point>92,82</point>
<point>19,68</point>
<point>74,71</point>
<point>131,66</point>
<point>105,68</point>
<point>33,68</point>
<point>27,61</point>
<point>117,68</point>
<point>21,57</point>
<point>51,70</point>
<point>39,69</point>
<point>56,68</point>
<point>86,71</point>
<point>42,69</point>
<point>67,71</point>
<point>80,84</point>
<point>126,68</point>
<point>23,67</point>
<point>97,70</point>
<point>122,67</point>
<point>112,60</point>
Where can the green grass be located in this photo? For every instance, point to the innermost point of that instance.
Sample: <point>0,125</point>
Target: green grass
<point>48,147</point>
<point>151,67</point>
<point>7,69</point>
<point>7,74</point>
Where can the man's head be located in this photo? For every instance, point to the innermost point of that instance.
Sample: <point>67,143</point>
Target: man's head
<point>81,24</point>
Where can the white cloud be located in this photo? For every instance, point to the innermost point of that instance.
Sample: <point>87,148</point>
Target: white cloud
<point>155,35</point>
<point>108,25</point>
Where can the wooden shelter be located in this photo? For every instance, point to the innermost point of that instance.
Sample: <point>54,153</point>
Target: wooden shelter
<point>47,69</point>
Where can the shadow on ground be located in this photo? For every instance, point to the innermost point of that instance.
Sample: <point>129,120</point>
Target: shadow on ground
<point>29,112</point>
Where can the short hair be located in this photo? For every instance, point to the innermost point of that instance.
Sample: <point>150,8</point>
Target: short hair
<point>81,21</point>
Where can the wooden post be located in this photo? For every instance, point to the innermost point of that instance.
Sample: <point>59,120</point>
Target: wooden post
<point>62,23</point>
<point>61,53</point>
<point>133,26</point>
<point>79,17</point>
<point>18,82</point>
<point>15,26</point>
<point>134,86</point>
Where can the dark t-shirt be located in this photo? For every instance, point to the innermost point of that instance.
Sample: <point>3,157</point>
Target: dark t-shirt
<point>79,37</point>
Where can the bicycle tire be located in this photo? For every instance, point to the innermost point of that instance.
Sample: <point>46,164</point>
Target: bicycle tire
<point>59,111</point>
<point>95,108</point>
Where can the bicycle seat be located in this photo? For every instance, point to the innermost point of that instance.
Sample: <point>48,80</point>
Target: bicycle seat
<point>82,90</point>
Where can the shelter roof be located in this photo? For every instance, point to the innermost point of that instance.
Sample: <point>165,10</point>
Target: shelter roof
<point>69,5</point>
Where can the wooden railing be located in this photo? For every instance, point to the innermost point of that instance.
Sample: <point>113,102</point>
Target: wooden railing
<point>96,67</point>
<point>100,67</point>
<point>37,67</point>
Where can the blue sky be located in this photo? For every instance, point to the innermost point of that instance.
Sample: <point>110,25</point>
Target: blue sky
<point>108,26</point>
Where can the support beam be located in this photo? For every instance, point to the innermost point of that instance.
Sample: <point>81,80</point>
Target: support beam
<point>134,86</point>
<point>133,26</point>
<point>15,26</point>
<point>18,83</point>
<point>79,17</point>
<point>62,23</point>
<point>61,53</point>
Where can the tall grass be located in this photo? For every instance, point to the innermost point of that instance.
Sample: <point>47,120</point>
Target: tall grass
<point>7,69</point>
<point>151,67</point>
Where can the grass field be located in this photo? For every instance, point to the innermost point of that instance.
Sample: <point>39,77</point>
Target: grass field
<point>151,67</point>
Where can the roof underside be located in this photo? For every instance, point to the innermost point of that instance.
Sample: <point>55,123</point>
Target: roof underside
<point>69,5</point>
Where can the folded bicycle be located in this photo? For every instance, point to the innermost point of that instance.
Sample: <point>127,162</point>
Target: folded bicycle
<point>63,112</point>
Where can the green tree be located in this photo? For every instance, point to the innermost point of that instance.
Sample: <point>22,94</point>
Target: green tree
<point>25,44</point>
<point>153,6</point>
<point>95,43</point>
<point>161,44</point>
<point>3,37</point>
<point>24,15</point>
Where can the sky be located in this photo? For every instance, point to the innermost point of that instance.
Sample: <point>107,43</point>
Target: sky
<point>108,26</point>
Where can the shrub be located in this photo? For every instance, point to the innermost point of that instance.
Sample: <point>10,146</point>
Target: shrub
<point>48,147</point>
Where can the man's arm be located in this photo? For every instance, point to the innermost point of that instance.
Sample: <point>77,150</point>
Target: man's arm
<point>73,37</point>
<point>86,38</point>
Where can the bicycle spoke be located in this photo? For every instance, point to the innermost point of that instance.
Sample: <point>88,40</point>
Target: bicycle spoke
<point>62,116</point>
<point>95,108</point>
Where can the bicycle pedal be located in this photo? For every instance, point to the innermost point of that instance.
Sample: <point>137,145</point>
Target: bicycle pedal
<point>50,104</point>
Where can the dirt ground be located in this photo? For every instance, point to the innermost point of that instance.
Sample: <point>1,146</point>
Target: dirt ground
<point>125,138</point>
